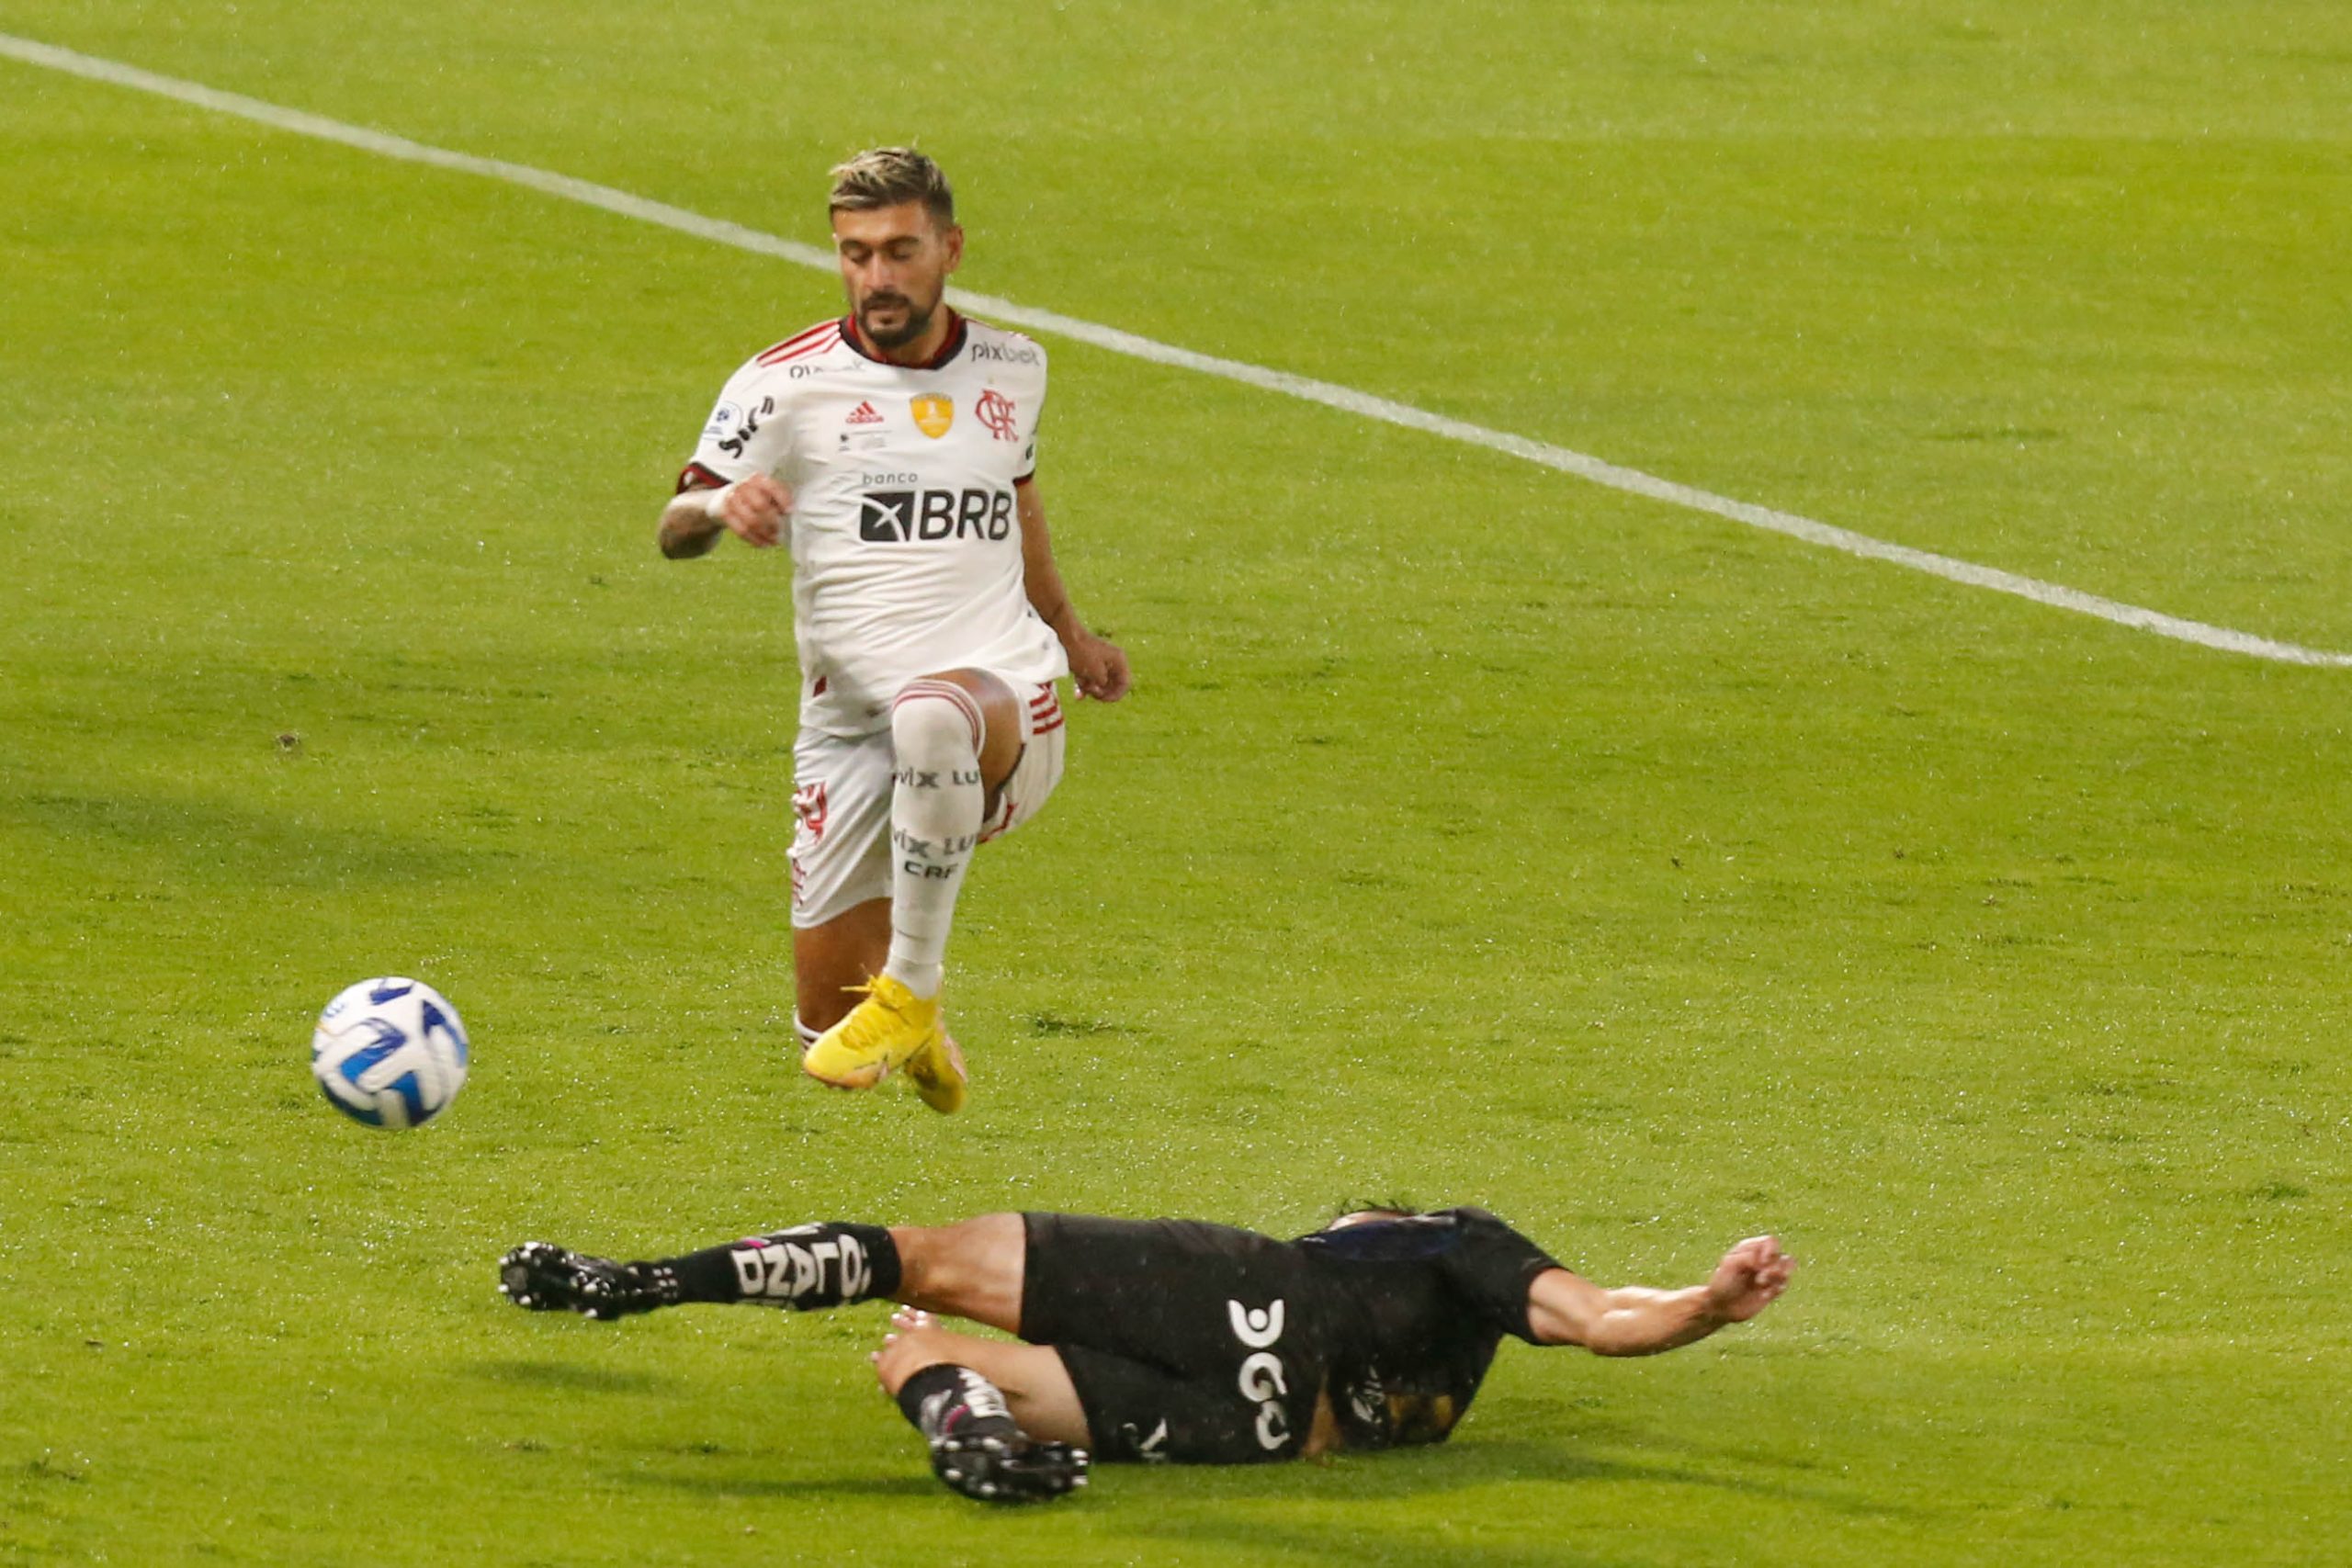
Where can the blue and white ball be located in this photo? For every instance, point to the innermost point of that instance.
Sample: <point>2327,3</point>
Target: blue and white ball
<point>389,1053</point>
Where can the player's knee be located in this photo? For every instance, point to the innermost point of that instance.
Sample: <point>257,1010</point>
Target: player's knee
<point>972,1268</point>
<point>932,1270</point>
<point>936,725</point>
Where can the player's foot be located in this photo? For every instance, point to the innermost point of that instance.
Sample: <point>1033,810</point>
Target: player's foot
<point>938,1074</point>
<point>880,1034</point>
<point>994,1469</point>
<point>543,1277</point>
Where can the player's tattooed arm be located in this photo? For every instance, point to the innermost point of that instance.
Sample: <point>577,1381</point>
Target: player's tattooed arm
<point>752,509</point>
<point>1634,1320</point>
<point>1097,667</point>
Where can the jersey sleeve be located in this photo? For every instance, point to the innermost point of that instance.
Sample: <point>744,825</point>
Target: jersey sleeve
<point>1036,418</point>
<point>1492,1266</point>
<point>744,436</point>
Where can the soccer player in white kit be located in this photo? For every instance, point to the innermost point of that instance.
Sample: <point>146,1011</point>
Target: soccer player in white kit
<point>896,449</point>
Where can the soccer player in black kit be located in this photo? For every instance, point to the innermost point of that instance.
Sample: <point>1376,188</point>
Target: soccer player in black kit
<point>1172,1340</point>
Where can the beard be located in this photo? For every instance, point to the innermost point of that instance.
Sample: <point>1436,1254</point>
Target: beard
<point>916,323</point>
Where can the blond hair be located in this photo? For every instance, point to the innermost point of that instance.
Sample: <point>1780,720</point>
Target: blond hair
<point>887,176</point>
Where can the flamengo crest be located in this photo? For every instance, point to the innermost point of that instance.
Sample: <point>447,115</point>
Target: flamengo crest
<point>995,412</point>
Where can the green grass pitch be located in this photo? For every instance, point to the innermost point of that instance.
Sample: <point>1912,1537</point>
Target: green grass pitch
<point>1474,834</point>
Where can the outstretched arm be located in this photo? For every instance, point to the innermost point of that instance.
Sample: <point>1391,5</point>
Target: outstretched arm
<point>1636,1320</point>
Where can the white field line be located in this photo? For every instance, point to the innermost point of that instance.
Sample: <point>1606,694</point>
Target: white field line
<point>1598,470</point>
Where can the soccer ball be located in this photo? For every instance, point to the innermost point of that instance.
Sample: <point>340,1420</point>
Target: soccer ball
<point>389,1053</point>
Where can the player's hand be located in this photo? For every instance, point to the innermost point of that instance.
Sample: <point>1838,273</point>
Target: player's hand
<point>1750,1279</point>
<point>1099,668</point>
<point>753,509</point>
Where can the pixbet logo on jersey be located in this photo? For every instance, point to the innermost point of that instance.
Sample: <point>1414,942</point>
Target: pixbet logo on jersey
<point>899,516</point>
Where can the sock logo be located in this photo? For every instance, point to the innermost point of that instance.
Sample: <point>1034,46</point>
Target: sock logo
<point>959,844</point>
<point>789,1273</point>
<point>928,778</point>
<point>982,1397</point>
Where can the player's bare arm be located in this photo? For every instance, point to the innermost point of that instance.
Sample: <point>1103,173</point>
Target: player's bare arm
<point>752,509</point>
<point>1098,668</point>
<point>1636,1320</point>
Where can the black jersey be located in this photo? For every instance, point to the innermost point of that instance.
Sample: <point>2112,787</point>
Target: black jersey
<point>1413,1309</point>
<point>1202,1344</point>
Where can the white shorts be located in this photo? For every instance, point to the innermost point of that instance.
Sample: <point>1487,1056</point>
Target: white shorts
<point>841,799</point>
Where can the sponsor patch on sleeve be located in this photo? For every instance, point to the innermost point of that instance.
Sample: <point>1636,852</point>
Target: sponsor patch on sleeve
<point>723,420</point>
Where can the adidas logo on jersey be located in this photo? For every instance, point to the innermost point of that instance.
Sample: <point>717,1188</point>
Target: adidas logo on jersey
<point>862,414</point>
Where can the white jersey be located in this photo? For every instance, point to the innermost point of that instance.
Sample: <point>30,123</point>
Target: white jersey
<point>905,533</point>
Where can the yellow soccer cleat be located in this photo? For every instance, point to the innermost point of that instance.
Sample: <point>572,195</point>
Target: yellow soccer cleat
<point>880,1034</point>
<point>938,1073</point>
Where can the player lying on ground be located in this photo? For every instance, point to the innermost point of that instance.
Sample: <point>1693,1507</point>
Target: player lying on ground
<point>1173,1339</point>
<point>895,450</point>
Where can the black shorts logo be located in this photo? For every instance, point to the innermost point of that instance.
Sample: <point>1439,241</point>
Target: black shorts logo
<point>899,516</point>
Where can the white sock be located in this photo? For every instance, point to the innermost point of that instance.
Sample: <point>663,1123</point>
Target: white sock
<point>936,807</point>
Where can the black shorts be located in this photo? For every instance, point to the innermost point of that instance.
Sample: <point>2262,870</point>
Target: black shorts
<point>1187,1342</point>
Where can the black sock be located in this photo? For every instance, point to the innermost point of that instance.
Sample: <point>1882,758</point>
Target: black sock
<point>949,1401</point>
<point>808,1266</point>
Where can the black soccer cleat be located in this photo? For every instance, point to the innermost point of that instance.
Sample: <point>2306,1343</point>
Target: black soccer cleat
<point>543,1277</point>
<point>992,1470</point>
